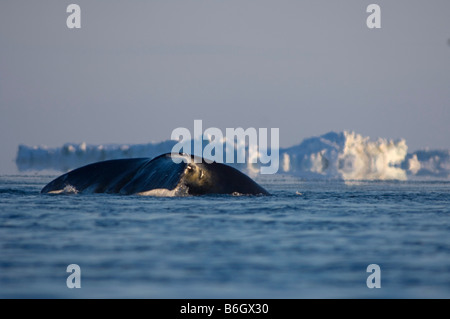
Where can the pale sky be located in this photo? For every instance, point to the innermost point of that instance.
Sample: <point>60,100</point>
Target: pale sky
<point>136,70</point>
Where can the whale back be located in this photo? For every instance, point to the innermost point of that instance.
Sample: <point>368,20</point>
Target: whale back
<point>179,173</point>
<point>101,177</point>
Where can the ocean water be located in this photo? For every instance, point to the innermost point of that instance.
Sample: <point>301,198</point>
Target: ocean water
<point>310,239</point>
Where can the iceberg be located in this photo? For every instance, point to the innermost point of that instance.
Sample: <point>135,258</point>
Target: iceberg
<point>347,156</point>
<point>429,164</point>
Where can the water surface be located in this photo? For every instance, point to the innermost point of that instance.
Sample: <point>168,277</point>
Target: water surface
<point>310,239</point>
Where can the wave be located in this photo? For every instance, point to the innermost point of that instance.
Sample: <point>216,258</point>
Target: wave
<point>13,191</point>
<point>344,155</point>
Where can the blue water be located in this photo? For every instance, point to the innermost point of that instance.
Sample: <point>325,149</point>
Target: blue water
<point>311,239</point>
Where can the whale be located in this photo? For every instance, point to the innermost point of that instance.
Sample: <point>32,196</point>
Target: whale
<point>169,174</point>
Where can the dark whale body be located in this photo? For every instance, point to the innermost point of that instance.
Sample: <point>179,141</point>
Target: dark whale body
<point>173,174</point>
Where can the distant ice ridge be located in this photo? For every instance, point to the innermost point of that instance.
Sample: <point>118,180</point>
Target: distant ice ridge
<point>72,155</point>
<point>345,155</point>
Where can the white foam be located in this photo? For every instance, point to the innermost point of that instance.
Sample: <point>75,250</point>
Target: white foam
<point>68,189</point>
<point>180,190</point>
<point>159,192</point>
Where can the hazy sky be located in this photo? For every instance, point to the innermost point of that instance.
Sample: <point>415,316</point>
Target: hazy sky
<point>136,70</point>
